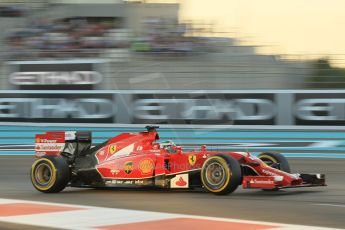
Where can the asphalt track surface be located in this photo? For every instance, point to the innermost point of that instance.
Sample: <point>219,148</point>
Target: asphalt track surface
<point>319,206</point>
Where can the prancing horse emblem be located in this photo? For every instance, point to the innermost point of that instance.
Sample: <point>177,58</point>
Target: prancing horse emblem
<point>192,159</point>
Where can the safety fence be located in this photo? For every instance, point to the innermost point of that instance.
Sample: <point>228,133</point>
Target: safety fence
<point>19,139</point>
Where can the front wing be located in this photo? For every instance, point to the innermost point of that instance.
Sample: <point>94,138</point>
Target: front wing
<point>277,182</point>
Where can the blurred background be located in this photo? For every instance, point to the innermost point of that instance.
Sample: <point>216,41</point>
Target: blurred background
<point>235,75</point>
<point>186,44</point>
<point>173,62</point>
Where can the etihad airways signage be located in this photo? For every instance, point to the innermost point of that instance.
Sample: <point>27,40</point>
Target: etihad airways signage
<point>316,108</point>
<point>56,78</point>
<point>54,75</point>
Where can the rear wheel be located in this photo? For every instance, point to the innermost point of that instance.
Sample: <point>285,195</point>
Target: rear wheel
<point>50,174</point>
<point>221,174</point>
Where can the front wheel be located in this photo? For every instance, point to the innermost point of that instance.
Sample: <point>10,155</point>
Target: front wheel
<point>50,174</point>
<point>221,174</point>
<point>275,160</point>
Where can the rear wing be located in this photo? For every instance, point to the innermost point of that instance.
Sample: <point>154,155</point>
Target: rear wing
<point>52,143</point>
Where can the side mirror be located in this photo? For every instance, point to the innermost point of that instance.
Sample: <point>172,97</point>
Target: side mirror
<point>203,148</point>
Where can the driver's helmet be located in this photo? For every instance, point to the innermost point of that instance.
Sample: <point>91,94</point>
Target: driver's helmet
<point>167,144</point>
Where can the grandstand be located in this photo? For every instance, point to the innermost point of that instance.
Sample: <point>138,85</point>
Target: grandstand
<point>143,46</point>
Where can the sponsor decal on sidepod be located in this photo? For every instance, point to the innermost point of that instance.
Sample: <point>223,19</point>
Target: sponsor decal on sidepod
<point>179,181</point>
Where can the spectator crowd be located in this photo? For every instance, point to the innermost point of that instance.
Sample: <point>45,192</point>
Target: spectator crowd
<point>64,37</point>
<point>80,36</point>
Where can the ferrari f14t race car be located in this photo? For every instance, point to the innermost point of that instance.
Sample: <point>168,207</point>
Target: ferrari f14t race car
<point>134,160</point>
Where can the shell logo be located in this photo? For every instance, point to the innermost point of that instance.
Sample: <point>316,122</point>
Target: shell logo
<point>146,166</point>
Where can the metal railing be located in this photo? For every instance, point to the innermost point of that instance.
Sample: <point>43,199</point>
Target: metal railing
<point>197,70</point>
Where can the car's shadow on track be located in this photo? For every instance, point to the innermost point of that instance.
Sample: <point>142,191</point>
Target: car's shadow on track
<point>144,191</point>
<point>274,193</point>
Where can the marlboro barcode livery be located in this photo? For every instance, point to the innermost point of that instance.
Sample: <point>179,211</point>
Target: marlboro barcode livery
<point>142,160</point>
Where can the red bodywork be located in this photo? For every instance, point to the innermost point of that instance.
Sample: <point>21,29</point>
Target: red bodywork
<point>133,158</point>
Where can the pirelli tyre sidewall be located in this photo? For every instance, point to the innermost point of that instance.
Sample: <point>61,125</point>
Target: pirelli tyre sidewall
<point>50,174</point>
<point>273,157</point>
<point>221,174</point>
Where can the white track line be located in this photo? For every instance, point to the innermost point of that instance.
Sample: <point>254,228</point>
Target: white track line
<point>90,217</point>
<point>332,205</point>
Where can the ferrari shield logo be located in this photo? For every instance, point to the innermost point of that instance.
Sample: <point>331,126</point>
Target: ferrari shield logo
<point>128,167</point>
<point>112,149</point>
<point>192,159</point>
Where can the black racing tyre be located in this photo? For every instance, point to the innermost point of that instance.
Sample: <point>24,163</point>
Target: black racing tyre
<point>50,174</point>
<point>272,158</point>
<point>221,174</point>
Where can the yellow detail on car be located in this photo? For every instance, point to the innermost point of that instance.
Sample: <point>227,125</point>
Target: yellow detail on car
<point>228,173</point>
<point>39,168</point>
<point>272,159</point>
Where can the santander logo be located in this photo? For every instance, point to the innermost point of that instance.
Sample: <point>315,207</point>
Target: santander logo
<point>181,182</point>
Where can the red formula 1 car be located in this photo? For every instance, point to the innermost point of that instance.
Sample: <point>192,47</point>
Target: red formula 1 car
<point>140,160</point>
